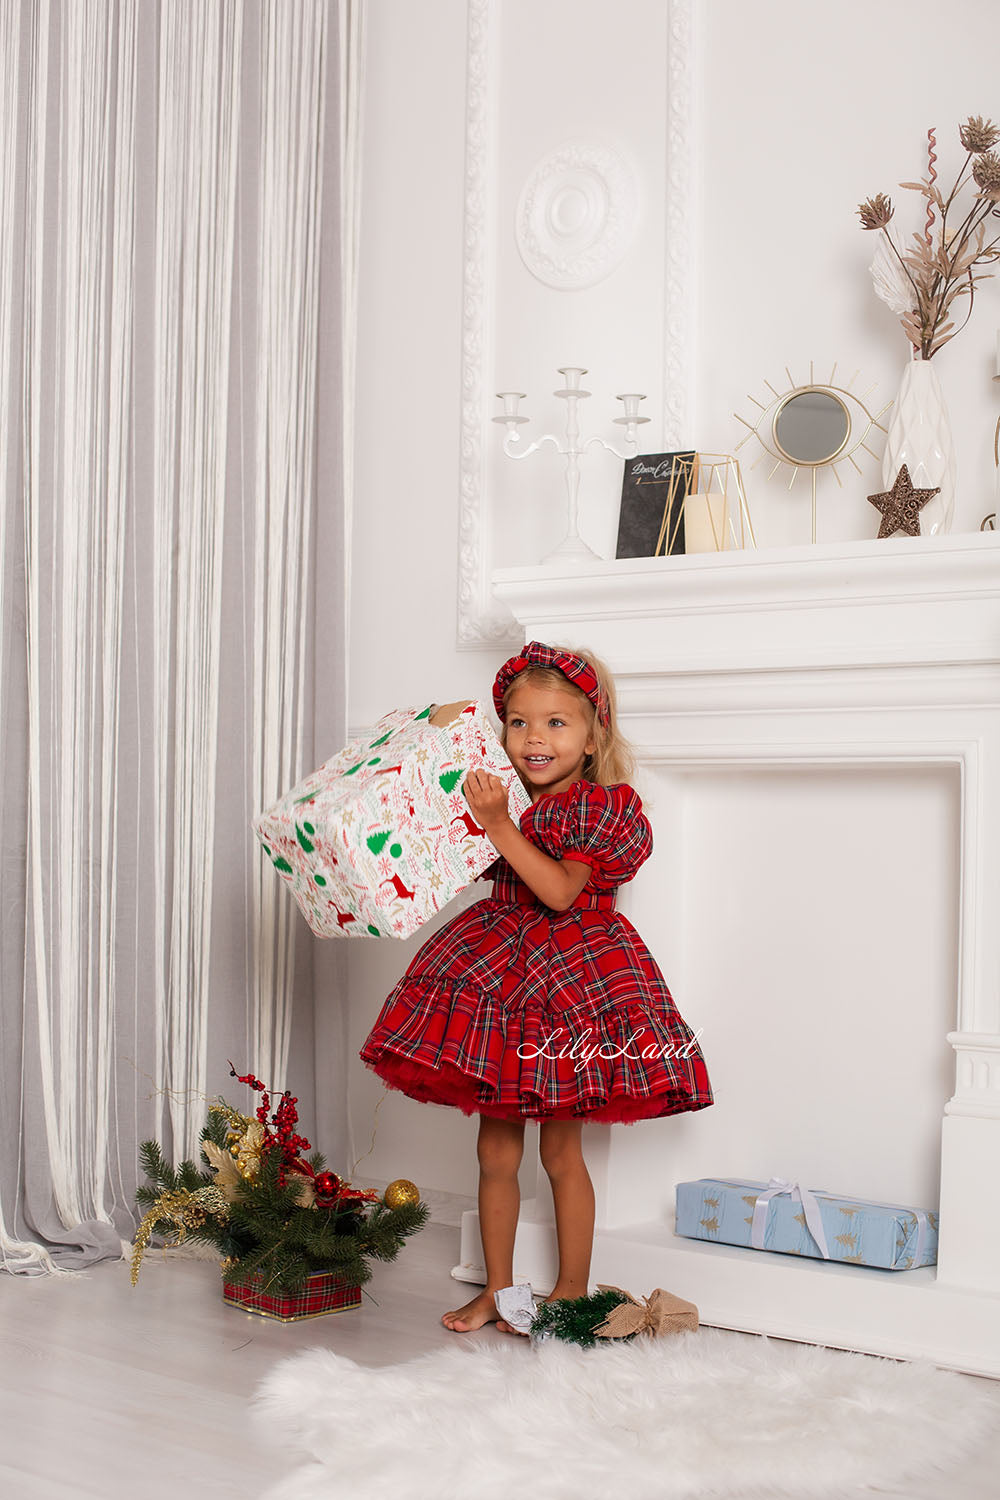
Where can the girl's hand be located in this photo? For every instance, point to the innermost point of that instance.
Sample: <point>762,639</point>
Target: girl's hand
<point>487,799</point>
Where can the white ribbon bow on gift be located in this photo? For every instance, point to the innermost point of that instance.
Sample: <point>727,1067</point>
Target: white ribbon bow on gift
<point>810,1208</point>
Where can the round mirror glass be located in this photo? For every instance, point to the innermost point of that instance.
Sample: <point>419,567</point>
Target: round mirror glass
<point>811,427</point>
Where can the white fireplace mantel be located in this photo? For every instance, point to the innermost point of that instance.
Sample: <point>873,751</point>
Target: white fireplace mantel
<point>874,656</point>
<point>852,604</point>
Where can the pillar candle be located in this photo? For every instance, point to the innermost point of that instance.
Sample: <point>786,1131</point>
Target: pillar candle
<point>698,523</point>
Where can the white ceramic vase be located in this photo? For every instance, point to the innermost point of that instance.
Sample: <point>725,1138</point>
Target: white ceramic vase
<point>920,437</point>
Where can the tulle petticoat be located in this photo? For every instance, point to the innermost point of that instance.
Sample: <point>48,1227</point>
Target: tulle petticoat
<point>517,1012</point>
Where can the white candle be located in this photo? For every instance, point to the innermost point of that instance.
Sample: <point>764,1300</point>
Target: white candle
<point>996,375</point>
<point>700,535</point>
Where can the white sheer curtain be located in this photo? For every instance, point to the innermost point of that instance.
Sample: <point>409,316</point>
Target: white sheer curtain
<point>170,399</point>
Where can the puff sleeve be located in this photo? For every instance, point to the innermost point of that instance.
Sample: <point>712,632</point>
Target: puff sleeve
<point>610,832</point>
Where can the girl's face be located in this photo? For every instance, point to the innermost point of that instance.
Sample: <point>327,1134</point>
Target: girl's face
<point>548,737</point>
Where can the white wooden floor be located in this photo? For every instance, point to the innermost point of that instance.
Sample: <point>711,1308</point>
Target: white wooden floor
<point>110,1392</point>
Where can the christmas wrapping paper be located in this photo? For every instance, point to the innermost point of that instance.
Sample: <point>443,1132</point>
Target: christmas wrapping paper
<point>323,1293</point>
<point>380,838</point>
<point>795,1220</point>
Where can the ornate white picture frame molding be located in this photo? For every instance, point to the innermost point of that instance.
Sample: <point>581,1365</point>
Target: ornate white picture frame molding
<point>482,620</point>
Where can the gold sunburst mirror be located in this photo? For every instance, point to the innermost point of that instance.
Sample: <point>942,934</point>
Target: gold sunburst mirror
<point>814,425</point>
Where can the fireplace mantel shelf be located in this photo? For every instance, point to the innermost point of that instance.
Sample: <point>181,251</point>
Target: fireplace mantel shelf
<point>865,603</point>
<point>898,567</point>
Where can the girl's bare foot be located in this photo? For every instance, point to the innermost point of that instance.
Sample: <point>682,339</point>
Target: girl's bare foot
<point>474,1314</point>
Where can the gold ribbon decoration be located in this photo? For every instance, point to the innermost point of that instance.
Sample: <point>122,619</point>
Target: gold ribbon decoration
<point>185,1208</point>
<point>659,1313</point>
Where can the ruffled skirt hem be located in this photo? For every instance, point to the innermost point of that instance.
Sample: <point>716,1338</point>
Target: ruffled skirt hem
<point>445,1084</point>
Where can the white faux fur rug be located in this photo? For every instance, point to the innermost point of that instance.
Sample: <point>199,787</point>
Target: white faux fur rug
<point>697,1414</point>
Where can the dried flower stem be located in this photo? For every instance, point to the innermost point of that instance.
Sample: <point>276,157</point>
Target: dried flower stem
<point>941,264</point>
<point>931,178</point>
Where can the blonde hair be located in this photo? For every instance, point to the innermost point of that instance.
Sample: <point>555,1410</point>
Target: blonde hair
<point>612,760</point>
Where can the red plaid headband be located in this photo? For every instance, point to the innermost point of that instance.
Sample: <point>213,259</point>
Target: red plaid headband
<point>579,673</point>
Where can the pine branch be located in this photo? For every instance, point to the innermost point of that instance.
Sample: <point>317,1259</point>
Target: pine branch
<point>574,1319</point>
<point>254,1263</point>
<point>159,1171</point>
<point>216,1127</point>
<point>387,1228</point>
<point>337,1250</point>
<point>189,1177</point>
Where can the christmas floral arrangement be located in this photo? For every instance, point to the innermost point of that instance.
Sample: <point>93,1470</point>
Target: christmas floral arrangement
<point>275,1215</point>
<point>611,1313</point>
<point>608,1313</point>
<point>920,280</point>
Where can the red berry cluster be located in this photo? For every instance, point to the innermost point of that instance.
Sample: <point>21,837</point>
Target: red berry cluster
<point>284,1137</point>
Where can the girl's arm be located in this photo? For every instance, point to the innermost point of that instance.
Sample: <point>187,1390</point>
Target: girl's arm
<point>555,882</point>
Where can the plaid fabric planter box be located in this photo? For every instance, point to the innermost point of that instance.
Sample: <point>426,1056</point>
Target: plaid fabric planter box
<point>323,1293</point>
<point>380,838</point>
<point>783,1216</point>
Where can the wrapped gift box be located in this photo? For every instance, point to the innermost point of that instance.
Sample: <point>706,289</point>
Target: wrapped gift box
<point>323,1293</point>
<point>380,838</point>
<point>796,1221</point>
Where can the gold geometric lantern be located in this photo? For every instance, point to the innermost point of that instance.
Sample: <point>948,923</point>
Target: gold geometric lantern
<point>705,506</point>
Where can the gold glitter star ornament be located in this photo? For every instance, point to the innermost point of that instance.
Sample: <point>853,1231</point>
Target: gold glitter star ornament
<point>900,507</point>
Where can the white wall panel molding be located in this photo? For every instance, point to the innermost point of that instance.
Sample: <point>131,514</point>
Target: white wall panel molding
<point>569,181</point>
<point>680,266</point>
<point>480,623</point>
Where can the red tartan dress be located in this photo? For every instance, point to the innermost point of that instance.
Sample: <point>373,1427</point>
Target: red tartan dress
<point>519,1012</point>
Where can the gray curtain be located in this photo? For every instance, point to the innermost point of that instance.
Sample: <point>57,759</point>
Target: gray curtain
<point>127,902</point>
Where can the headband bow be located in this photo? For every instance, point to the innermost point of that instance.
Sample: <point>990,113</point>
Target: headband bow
<point>579,673</point>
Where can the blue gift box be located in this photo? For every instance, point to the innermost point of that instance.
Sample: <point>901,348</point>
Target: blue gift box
<point>794,1220</point>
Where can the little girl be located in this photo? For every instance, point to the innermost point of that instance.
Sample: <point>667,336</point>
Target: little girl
<point>541,1002</point>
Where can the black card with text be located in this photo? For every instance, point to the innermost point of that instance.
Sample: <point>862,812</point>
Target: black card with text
<point>651,519</point>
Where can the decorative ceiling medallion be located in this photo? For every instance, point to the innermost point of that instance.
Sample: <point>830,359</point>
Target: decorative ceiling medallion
<point>577,216</point>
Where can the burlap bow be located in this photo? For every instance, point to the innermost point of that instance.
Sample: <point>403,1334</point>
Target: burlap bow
<point>659,1313</point>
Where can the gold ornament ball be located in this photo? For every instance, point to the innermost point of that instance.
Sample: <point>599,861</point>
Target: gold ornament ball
<point>399,1192</point>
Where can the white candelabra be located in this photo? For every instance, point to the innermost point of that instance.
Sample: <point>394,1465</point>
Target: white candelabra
<point>572,545</point>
